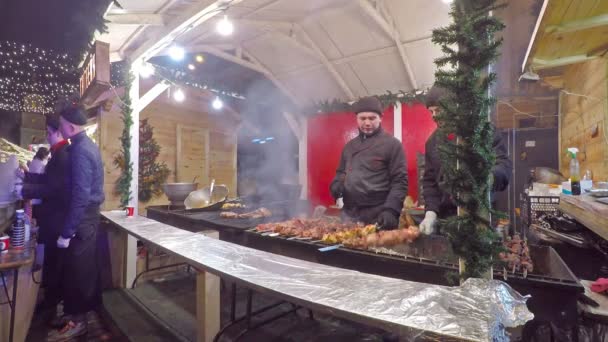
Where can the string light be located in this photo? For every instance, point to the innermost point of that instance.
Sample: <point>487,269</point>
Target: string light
<point>179,95</point>
<point>200,58</point>
<point>191,66</point>
<point>177,52</point>
<point>217,103</point>
<point>146,70</point>
<point>224,26</point>
<point>31,79</point>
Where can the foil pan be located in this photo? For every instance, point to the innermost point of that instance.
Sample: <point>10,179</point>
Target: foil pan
<point>479,310</point>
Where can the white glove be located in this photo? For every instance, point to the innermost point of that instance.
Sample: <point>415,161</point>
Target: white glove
<point>62,242</point>
<point>18,190</point>
<point>427,226</point>
<point>340,203</point>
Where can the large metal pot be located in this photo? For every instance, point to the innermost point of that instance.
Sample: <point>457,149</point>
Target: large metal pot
<point>178,192</point>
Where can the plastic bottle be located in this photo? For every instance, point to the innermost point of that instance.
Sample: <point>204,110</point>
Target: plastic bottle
<point>575,172</point>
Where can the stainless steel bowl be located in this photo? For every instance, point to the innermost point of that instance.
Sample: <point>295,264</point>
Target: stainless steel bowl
<point>178,192</point>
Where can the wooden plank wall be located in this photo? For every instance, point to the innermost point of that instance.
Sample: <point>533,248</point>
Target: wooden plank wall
<point>580,116</point>
<point>216,160</point>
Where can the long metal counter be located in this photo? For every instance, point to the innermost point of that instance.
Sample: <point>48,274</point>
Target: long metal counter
<point>476,311</point>
<point>429,260</point>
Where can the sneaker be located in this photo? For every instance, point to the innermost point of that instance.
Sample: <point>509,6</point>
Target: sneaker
<point>70,330</point>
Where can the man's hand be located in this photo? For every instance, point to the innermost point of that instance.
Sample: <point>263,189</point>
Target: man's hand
<point>388,220</point>
<point>427,226</point>
<point>63,242</point>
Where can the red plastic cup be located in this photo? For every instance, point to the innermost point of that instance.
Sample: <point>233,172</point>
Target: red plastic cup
<point>130,211</point>
<point>5,244</point>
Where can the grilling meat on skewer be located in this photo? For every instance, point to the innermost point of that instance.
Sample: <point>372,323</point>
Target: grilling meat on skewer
<point>517,257</point>
<point>257,214</point>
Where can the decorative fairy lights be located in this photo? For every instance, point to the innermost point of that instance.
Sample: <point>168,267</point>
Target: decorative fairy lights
<point>31,78</point>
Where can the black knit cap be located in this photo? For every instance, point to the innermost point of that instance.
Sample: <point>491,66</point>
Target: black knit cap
<point>368,104</point>
<point>74,115</point>
<point>433,96</point>
<point>52,120</point>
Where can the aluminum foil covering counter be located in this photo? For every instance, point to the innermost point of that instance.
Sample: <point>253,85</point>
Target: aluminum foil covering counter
<point>479,310</point>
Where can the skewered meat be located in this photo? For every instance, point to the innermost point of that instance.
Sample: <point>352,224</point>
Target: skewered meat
<point>235,205</point>
<point>260,213</point>
<point>257,214</point>
<point>229,215</point>
<point>385,238</point>
<point>517,257</point>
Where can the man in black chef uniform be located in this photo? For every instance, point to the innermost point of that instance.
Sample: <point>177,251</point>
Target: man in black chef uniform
<point>371,177</point>
<point>78,238</point>
<point>438,204</point>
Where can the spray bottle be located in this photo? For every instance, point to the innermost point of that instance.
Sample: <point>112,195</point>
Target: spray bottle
<point>575,171</point>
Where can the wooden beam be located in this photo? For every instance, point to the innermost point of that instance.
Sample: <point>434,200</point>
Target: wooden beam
<point>529,50</point>
<point>330,67</point>
<point>152,94</point>
<point>228,57</point>
<point>140,30</point>
<point>355,57</point>
<point>149,19</point>
<point>393,34</point>
<point>579,25</point>
<point>539,64</point>
<point>294,125</point>
<point>194,16</point>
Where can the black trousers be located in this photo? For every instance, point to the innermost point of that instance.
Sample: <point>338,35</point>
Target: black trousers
<point>51,273</point>
<point>80,281</point>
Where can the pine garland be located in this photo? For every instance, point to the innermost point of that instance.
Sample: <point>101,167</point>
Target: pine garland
<point>467,161</point>
<point>123,160</point>
<point>388,99</point>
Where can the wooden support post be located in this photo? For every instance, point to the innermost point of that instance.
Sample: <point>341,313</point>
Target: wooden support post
<point>303,158</point>
<point>130,265</point>
<point>207,302</point>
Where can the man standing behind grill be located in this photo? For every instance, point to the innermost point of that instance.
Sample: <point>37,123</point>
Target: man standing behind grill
<point>438,204</point>
<point>78,239</point>
<point>371,177</point>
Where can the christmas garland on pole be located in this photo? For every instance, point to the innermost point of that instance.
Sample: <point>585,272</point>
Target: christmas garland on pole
<point>123,160</point>
<point>467,161</point>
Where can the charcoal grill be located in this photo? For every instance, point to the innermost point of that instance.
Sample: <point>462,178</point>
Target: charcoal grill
<point>553,287</point>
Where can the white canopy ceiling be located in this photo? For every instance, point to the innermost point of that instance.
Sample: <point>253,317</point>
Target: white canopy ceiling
<point>312,50</point>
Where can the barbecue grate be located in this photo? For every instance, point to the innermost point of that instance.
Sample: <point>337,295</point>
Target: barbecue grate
<point>535,206</point>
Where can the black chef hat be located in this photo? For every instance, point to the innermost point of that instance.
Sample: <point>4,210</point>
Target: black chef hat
<point>433,96</point>
<point>74,115</point>
<point>368,104</point>
<point>52,120</point>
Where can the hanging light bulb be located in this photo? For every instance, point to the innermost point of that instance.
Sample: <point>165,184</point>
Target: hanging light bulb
<point>179,95</point>
<point>217,103</point>
<point>225,27</point>
<point>177,52</point>
<point>191,66</point>
<point>200,58</point>
<point>146,70</point>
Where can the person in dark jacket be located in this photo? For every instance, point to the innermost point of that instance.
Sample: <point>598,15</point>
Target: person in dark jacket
<point>51,213</point>
<point>372,176</point>
<point>78,238</point>
<point>438,203</point>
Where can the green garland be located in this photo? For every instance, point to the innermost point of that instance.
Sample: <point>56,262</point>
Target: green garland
<point>123,160</point>
<point>388,99</point>
<point>464,112</point>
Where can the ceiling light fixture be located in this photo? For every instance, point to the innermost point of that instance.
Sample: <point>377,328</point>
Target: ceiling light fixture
<point>225,26</point>
<point>179,95</point>
<point>217,103</point>
<point>177,52</point>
